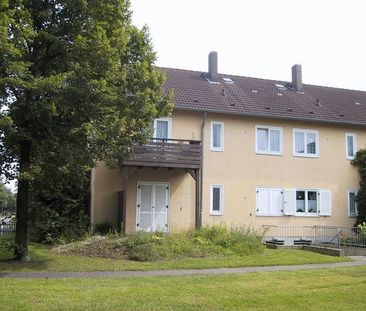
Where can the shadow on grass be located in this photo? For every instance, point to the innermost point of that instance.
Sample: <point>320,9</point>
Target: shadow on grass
<point>40,260</point>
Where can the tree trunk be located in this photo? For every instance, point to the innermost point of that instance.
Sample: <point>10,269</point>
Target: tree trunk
<point>21,234</point>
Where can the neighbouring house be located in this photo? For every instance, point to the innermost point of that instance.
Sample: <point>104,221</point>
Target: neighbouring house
<point>239,151</point>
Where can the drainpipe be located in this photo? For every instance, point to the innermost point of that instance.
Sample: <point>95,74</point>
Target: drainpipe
<point>204,116</point>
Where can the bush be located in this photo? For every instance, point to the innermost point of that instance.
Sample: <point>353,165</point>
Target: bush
<point>140,247</point>
<point>207,241</point>
<point>6,246</point>
<point>49,226</point>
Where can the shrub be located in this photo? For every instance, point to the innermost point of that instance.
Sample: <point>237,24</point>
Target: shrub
<point>49,226</point>
<point>209,240</point>
<point>140,247</point>
<point>6,245</point>
<point>360,162</point>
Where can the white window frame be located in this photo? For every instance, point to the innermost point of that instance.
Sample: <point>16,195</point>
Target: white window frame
<point>307,213</point>
<point>221,211</point>
<point>354,137</point>
<point>221,148</point>
<point>169,120</point>
<point>352,215</point>
<point>306,154</point>
<point>269,128</point>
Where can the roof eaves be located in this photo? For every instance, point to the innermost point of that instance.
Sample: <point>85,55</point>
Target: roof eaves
<point>271,117</point>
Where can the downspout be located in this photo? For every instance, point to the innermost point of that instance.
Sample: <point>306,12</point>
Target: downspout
<point>204,117</point>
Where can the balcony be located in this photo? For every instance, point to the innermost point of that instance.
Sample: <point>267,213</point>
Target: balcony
<point>171,153</point>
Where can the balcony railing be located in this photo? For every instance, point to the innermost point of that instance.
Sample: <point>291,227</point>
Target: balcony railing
<point>173,153</point>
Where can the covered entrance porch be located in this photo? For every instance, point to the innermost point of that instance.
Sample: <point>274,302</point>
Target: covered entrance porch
<point>157,170</point>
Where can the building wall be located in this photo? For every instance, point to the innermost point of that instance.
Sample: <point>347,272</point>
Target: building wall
<point>240,170</point>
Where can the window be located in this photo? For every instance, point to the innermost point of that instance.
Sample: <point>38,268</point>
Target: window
<point>269,202</point>
<point>306,202</point>
<point>268,140</point>
<point>163,128</point>
<point>352,205</point>
<point>306,143</point>
<point>217,200</point>
<point>217,136</point>
<point>351,146</point>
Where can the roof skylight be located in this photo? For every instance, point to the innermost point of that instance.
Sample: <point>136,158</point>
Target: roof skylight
<point>228,80</point>
<point>280,86</point>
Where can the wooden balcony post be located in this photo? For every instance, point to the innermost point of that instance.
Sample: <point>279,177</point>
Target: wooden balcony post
<point>198,223</point>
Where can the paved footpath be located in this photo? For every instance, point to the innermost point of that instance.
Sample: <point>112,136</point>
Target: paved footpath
<point>358,261</point>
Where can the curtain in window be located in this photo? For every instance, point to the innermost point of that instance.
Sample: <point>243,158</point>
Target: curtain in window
<point>274,140</point>
<point>311,143</point>
<point>262,139</point>
<point>350,151</point>
<point>312,202</point>
<point>216,199</point>
<point>299,142</point>
<point>216,135</point>
<point>300,201</point>
<point>352,204</point>
<point>162,129</point>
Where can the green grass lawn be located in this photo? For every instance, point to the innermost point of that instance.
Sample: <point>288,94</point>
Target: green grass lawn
<point>45,260</point>
<point>328,289</point>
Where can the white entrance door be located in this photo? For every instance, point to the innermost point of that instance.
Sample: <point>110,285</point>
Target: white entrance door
<point>152,206</point>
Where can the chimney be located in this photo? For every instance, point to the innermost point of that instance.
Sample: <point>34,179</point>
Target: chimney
<point>212,67</point>
<point>297,77</point>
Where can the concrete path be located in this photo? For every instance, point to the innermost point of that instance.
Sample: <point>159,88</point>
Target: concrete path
<point>358,261</point>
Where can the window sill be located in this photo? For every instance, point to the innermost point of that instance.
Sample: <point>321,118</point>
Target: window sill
<point>352,216</point>
<point>300,155</point>
<point>217,150</point>
<point>307,215</point>
<point>269,153</point>
<point>269,215</point>
<point>216,214</point>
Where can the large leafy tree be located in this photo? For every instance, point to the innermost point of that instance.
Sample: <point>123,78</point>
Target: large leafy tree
<point>77,85</point>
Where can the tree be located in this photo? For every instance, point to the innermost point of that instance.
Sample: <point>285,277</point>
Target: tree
<point>77,85</point>
<point>360,162</point>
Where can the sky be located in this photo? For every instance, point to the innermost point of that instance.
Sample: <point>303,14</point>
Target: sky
<point>261,38</point>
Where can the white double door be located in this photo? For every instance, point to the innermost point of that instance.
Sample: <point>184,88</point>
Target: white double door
<point>152,206</point>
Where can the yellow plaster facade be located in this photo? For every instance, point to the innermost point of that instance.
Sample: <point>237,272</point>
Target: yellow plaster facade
<point>240,170</point>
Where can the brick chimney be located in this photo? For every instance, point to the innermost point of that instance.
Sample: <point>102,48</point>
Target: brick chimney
<point>297,77</point>
<point>212,67</point>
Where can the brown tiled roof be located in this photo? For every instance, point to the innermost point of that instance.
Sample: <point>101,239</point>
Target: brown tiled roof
<point>261,97</point>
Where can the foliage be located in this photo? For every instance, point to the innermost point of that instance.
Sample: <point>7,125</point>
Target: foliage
<point>6,244</point>
<point>83,256</point>
<point>77,85</point>
<point>49,226</point>
<point>362,228</point>
<point>7,200</point>
<point>195,243</point>
<point>59,209</point>
<point>360,162</point>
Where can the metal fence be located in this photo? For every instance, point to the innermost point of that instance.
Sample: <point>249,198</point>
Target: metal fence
<point>318,235</point>
<point>7,228</point>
